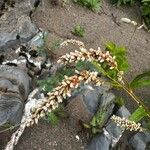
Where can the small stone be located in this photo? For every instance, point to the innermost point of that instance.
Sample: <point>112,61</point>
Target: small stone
<point>114,131</point>
<point>36,41</point>
<point>84,104</point>
<point>78,111</point>
<point>123,112</point>
<point>16,75</point>
<point>99,142</point>
<point>16,24</point>
<point>77,137</point>
<point>140,141</point>
<point>14,88</point>
<point>91,99</point>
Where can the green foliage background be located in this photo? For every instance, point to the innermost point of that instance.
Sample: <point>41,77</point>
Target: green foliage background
<point>94,5</point>
<point>144,4</point>
<point>79,31</point>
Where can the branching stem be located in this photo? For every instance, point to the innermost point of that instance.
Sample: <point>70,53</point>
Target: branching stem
<point>123,86</point>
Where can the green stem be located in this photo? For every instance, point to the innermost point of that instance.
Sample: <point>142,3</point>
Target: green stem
<point>131,37</point>
<point>130,92</point>
<point>10,128</point>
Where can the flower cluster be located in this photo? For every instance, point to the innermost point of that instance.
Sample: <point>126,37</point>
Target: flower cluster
<point>120,76</point>
<point>89,55</point>
<point>62,91</point>
<point>71,41</point>
<point>127,124</point>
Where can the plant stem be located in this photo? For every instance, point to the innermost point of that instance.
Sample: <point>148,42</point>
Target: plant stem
<point>129,91</point>
<point>131,37</point>
<point>10,128</point>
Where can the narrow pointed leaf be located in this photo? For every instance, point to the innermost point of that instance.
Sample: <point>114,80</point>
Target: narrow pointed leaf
<point>141,80</point>
<point>138,114</point>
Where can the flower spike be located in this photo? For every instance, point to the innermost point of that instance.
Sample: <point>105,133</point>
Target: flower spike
<point>62,91</point>
<point>127,124</point>
<point>89,55</point>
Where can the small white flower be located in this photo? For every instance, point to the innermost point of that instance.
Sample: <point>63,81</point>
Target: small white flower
<point>44,108</point>
<point>49,110</point>
<point>111,68</point>
<point>83,50</point>
<point>59,99</point>
<point>52,102</point>
<point>102,60</point>
<point>56,93</point>
<point>42,115</point>
<point>47,105</point>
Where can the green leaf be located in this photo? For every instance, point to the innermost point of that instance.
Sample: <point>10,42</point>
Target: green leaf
<point>61,112</point>
<point>138,114</point>
<point>93,122</point>
<point>98,67</point>
<point>120,54</point>
<point>79,31</point>
<point>145,0</point>
<point>147,120</point>
<point>52,118</point>
<point>48,84</point>
<point>84,65</point>
<point>55,45</point>
<point>112,73</point>
<point>119,101</point>
<point>123,2</point>
<point>95,130</point>
<point>100,118</point>
<point>141,80</point>
<point>80,65</point>
<point>114,49</point>
<point>146,12</point>
<point>94,5</point>
<point>86,126</point>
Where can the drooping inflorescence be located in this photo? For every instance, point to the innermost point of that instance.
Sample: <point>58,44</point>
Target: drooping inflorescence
<point>126,124</point>
<point>62,91</point>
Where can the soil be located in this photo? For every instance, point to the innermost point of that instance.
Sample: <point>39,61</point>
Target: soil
<point>47,137</point>
<point>100,28</point>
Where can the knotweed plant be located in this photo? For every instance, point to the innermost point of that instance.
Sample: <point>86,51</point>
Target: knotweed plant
<point>62,91</point>
<point>78,31</point>
<point>109,68</point>
<point>109,65</point>
<point>126,124</point>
